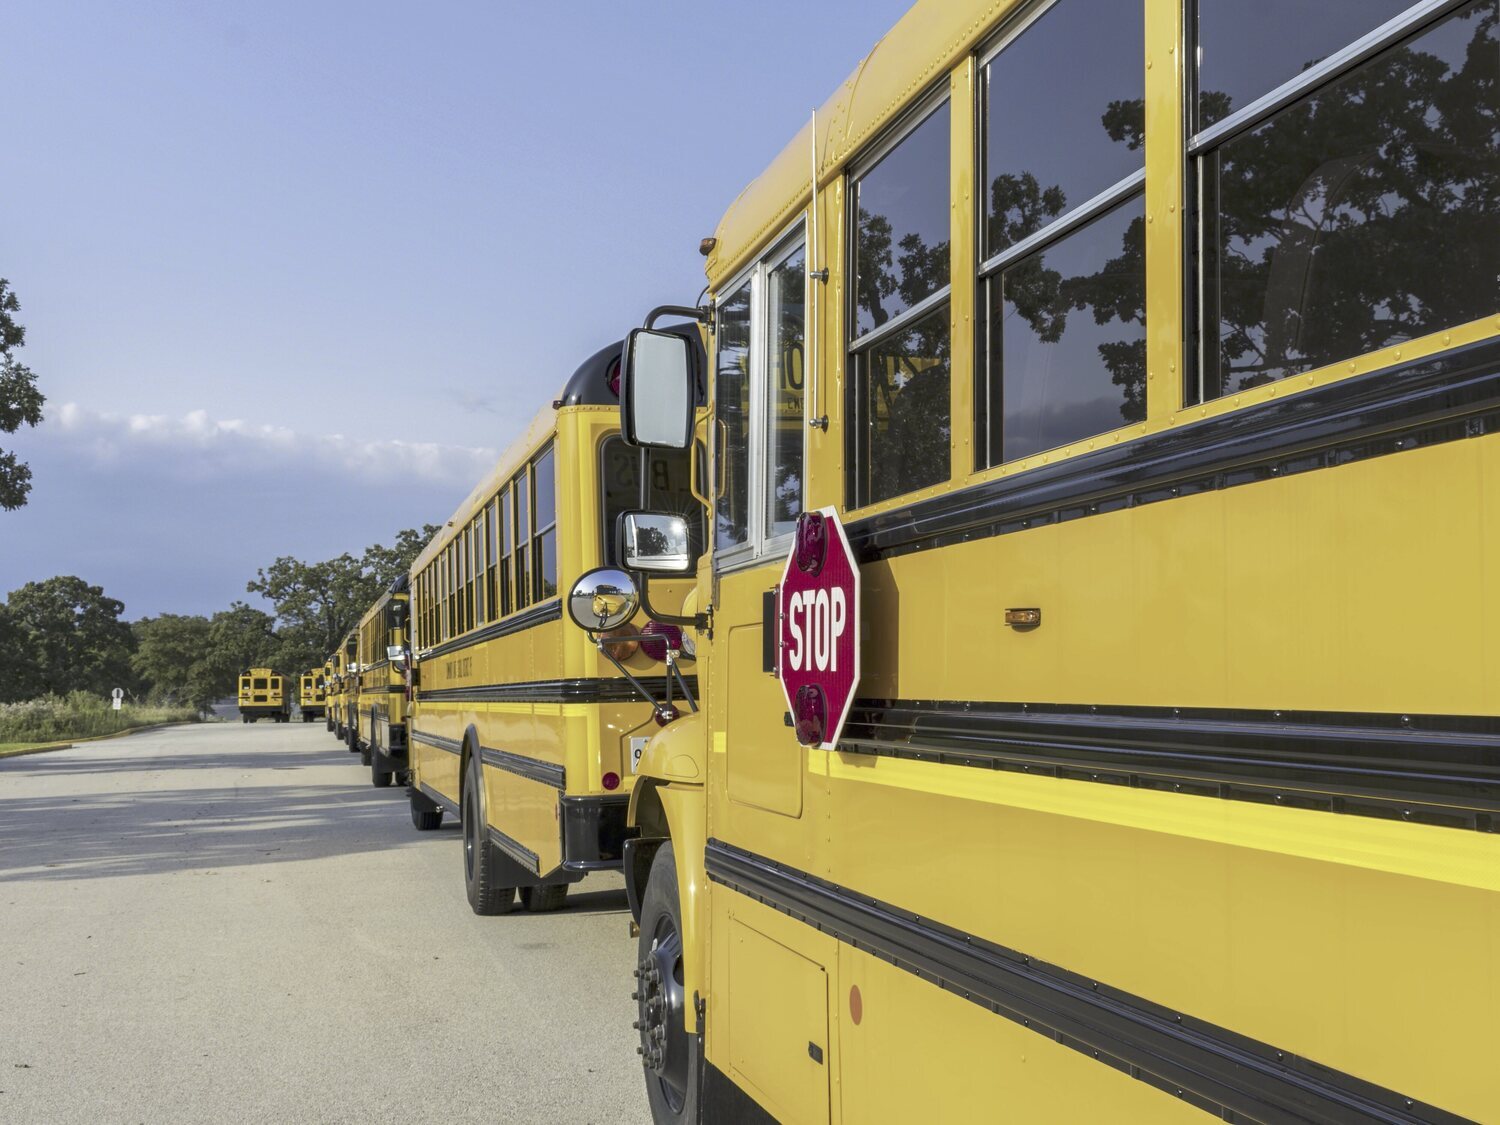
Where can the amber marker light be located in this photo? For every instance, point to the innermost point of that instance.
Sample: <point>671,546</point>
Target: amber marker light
<point>1023,618</point>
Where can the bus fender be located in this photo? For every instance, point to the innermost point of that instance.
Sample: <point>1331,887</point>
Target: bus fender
<point>667,803</point>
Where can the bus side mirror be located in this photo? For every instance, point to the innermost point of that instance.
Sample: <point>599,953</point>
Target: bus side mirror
<point>603,599</point>
<point>655,542</point>
<point>656,390</point>
<point>397,656</point>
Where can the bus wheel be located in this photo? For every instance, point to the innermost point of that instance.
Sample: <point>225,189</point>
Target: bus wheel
<point>539,900</point>
<point>244,718</point>
<point>380,778</point>
<point>426,814</point>
<point>667,1051</point>
<point>481,864</point>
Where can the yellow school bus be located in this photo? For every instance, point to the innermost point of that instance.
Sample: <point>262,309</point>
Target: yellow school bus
<point>1148,358</point>
<point>329,690</point>
<point>312,697</point>
<point>263,695</point>
<point>342,698</point>
<point>379,712</point>
<point>521,727</point>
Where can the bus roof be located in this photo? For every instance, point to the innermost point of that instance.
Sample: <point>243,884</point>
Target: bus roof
<point>918,51</point>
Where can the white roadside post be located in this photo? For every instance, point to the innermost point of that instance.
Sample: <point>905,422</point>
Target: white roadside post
<point>118,694</point>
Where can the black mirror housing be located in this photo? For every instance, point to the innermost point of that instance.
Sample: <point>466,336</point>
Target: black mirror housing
<point>658,387</point>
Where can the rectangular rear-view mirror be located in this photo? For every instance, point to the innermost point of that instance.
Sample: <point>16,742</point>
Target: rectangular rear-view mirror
<point>656,542</point>
<point>656,389</point>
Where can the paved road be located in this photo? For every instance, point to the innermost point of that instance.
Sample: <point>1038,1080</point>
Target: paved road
<point>227,923</point>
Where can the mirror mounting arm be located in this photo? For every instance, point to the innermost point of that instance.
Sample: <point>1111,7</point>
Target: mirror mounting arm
<point>700,313</point>
<point>703,622</point>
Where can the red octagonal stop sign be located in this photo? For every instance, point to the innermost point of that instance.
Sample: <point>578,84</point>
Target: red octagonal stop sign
<point>817,609</point>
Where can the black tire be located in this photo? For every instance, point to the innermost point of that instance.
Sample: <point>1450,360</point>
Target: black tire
<point>540,900</point>
<point>481,863</point>
<point>379,778</point>
<point>668,1052</point>
<point>426,814</point>
<point>244,718</point>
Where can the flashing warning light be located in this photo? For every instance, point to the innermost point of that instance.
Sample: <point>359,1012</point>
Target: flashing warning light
<point>611,780</point>
<point>657,637</point>
<point>811,546</point>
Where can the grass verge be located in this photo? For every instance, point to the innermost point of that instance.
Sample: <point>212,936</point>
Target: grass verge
<point>55,721</point>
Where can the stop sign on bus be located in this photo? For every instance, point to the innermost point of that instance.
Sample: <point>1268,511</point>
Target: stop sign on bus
<point>817,609</point>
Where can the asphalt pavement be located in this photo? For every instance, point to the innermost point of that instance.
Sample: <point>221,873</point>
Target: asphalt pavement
<point>227,923</point>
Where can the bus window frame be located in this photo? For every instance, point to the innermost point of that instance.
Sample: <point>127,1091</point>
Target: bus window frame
<point>856,450</point>
<point>757,544</point>
<point>1200,144</point>
<point>988,408</point>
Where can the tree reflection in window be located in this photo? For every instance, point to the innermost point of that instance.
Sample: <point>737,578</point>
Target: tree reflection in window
<point>898,394</point>
<point>1066,312</point>
<point>732,419</point>
<point>1363,215</point>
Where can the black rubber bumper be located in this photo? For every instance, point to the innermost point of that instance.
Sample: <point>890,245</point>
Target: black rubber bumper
<point>594,832</point>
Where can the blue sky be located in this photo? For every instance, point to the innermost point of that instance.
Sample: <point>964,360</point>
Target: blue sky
<point>276,259</point>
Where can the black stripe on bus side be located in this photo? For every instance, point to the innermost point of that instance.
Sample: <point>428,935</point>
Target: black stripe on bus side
<point>389,689</point>
<point>548,773</point>
<point>1429,401</point>
<point>1206,1065</point>
<point>1433,769</point>
<point>516,850</point>
<point>452,745</point>
<point>591,689</point>
<point>515,623</point>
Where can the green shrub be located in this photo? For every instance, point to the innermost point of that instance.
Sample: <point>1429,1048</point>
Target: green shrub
<point>54,718</point>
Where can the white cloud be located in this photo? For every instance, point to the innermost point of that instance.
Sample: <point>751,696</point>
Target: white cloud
<point>196,444</point>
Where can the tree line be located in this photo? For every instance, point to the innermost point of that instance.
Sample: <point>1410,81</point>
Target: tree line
<point>62,634</point>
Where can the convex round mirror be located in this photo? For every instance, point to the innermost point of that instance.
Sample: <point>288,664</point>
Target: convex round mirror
<point>602,599</point>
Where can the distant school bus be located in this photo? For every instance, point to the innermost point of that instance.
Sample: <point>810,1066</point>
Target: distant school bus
<point>329,689</point>
<point>311,698</point>
<point>341,699</point>
<point>1153,374</point>
<point>263,695</point>
<point>521,727</point>
<point>379,730</point>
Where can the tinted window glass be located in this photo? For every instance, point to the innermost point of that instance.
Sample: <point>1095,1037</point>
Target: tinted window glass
<point>544,483</point>
<point>785,297</point>
<point>546,564</point>
<point>902,411</point>
<point>1076,73</point>
<point>732,419</point>
<point>901,213</point>
<point>620,489</point>
<point>1246,50</point>
<point>1068,336</point>
<point>669,489</point>
<point>1361,216</point>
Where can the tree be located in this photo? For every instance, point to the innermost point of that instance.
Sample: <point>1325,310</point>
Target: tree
<point>20,401</point>
<point>239,637</point>
<point>316,604</point>
<point>72,639</point>
<point>173,659</point>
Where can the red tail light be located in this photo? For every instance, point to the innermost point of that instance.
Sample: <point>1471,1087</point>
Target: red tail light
<point>657,637</point>
<point>611,781</point>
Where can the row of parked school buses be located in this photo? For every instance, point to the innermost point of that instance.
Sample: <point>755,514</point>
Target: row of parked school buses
<point>264,694</point>
<point>1151,374</point>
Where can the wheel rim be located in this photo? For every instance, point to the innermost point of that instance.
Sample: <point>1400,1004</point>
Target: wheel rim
<point>664,1038</point>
